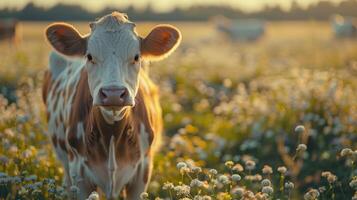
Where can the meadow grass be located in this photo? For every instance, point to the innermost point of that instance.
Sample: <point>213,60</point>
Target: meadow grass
<point>273,119</point>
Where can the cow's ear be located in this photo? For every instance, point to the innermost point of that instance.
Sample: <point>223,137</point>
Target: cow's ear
<point>161,42</point>
<point>66,39</point>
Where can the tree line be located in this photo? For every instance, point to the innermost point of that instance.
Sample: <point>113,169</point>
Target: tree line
<point>319,11</point>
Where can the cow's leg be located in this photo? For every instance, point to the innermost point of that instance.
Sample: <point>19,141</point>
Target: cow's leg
<point>61,154</point>
<point>78,177</point>
<point>140,181</point>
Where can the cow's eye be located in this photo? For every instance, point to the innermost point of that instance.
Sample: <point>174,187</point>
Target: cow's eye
<point>90,58</point>
<point>137,58</point>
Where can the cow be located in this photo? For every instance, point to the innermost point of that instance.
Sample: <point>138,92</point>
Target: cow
<point>9,30</point>
<point>104,117</point>
<point>240,30</point>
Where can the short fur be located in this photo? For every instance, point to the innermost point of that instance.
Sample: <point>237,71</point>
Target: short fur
<point>97,151</point>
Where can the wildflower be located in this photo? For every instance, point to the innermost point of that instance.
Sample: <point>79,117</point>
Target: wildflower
<point>325,174</point>
<point>182,190</point>
<point>267,190</point>
<point>184,170</point>
<point>223,179</point>
<point>354,196</point>
<point>301,148</point>
<point>93,196</point>
<point>289,185</point>
<point>267,169</point>
<point>353,183</point>
<point>346,152</point>
<point>299,129</point>
<point>248,195</point>
<point>196,169</point>
<point>266,182</point>
<point>322,189</point>
<point>13,149</point>
<point>236,177</point>
<point>250,165</point>
<point>213,172</point>
<point>261,196</point>
<point>229,164</point>
<point>144,196</point>
<point>331,178</point>
<point>168,186</point>
<point>206,197</point>
<point>238,167</point>
<point>282,170</point>
<point>237,191</point>
<point>196,183</point>
<point>181,165</point>
<point>312,194</point>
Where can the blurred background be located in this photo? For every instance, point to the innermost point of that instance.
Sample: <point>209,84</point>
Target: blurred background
<point>246,74</point>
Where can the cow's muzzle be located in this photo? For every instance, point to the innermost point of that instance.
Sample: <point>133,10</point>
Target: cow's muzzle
<point>114,96</point>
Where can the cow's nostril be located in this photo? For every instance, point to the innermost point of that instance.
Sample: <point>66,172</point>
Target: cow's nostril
<point>102,93</point>
<point>123,94</point>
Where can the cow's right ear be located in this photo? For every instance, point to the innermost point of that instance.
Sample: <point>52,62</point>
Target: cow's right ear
<point>65,39</point>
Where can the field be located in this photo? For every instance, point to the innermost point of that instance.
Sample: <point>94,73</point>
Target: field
<point>271,119</point>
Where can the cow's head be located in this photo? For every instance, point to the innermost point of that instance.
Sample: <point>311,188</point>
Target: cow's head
<point>113,51</point>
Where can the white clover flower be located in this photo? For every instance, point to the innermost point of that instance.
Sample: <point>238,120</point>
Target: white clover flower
<point>196,183</point>
<point>289,185</point>
<point>206,197</point>
<point>168,186</point>
<point>325,174</point>
<point>196,169</point>
<point>312,194</point>
<point>250,165</point>
<point>331,178</point>
<point>299,129</point>
<point>223,179</point>
<point>267,169</point>
<point>282,170</point>
<point>181,165</point>
<point>266,182</point>
<point>322,189</point>
<point>267,190</point>
<point>237,191</point>
<point>185,170</point>
<point>236,177</point>
<point>213,172</point>
<point>144,196</point>
<point>346,152</point>
<point>354,196</point>
<point>301,148</point>
<point>93,196</point>
<point>182,190</point>
<point>353,183</point>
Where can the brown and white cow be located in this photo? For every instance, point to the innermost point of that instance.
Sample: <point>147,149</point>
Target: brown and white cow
<point>104,116</point>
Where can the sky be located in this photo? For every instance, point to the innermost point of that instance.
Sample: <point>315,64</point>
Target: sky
<point>160,5</point>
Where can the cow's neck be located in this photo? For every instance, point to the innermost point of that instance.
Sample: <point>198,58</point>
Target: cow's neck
<point>107,125</point>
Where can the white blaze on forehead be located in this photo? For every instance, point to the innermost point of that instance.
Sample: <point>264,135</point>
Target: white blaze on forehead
<point>113,45</point>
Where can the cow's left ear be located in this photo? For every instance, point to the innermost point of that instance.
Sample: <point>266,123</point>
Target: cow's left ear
<point>161,42</point>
